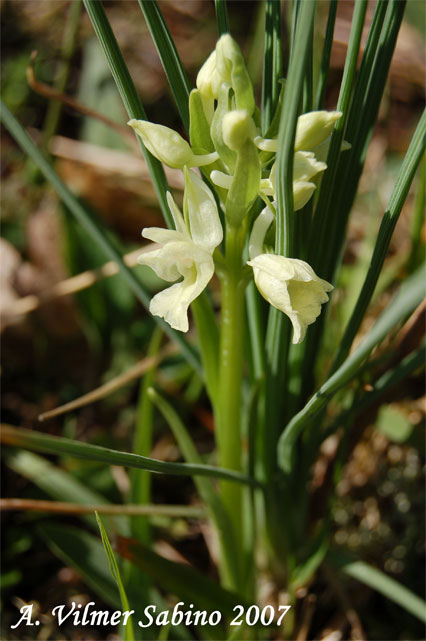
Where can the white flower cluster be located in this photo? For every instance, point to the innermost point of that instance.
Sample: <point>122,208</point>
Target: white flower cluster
<point>226,143</point>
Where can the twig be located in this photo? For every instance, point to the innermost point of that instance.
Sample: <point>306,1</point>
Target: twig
<point>86,279</point>
<point>111,386</point>
<point>52,94</point>
<point>108,160</point>
<point>59,507</point>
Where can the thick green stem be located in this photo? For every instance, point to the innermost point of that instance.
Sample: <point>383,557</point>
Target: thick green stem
<point>230,379</point>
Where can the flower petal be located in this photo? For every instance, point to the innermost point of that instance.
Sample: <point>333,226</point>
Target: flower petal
<point>172,303</point>
<point>206,229</point>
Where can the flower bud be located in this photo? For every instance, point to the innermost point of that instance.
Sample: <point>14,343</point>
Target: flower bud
<point>232,70</point>
<point>237,127</point>
<point>208,78</point>
<point>313,128</point>
<point>164,143</point>
<point>168,146</point>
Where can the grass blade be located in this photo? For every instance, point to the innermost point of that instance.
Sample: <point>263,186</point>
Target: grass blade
<point>92,228</point>
<point>83,552</point>
<point>221,17</point>
<point>416,253</point>
<point>360,129</point>
<point>180,579</point>
<point>409,296</point>
<point>208,337</point>
<point>129,634</point>
<point>128,95</point>
<point>320,227</point>
<point>273,63</point>
<point>326,52</point>
<point>276,338</point>
<point>390,218</point>
<point>212,500</point>
<point>379,581</point>
<point>60,484</point>
<point>140,488</point>
<point>176,74</point>
<point>28,439</point>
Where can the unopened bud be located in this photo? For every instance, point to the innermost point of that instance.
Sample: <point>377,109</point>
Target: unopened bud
<point>237,127</point>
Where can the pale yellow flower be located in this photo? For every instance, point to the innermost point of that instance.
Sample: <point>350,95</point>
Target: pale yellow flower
<point>185,252</point>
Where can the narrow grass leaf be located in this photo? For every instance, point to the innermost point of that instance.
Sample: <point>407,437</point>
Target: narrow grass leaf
<point>60,485</point>
<point>322,219</point>
<point>93,228</point>
<point>272,62</point>
<point>221,17</point>
<point>208,337</point>
<point>140,488</point>
<point>359,132</point>
<point>29,439</point>
<point>384,384</point>
<point>129,634</point>
<point>416,253</point>
<point>204,486</point>
<point>409,296</point>
<point>277,335</point>
<point>83,552</point>
<point>326,52</point>
<point>128,95</point>
<point>180,579</point>
<point>379,581</point>
<point>176,74</point>
<point>390,218</point>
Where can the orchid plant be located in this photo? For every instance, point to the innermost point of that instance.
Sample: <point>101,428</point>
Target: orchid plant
<point>226,144</point>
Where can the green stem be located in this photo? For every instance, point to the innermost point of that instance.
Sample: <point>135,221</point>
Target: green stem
<point>230,377</point>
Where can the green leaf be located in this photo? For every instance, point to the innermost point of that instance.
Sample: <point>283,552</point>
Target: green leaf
<point>180,579</point>
<point>272,63</point>
<point>277,335</point>
<point>29,439</point>
<point>326,52</point>
<point>303,573</point>
<point>221,17</point>
<point>390,218</point>
<point>128,632</point>
<point>85,553</point>
<point>409,296</point>
<point>140,486</point>
<point>383,385</point>
<point>169,56</point>
<point>60,484</point>
<point>208,337</point>
<point>417,244</point>
<point>379,581</point>
<point>128,94</point>
<point>212,500</point>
